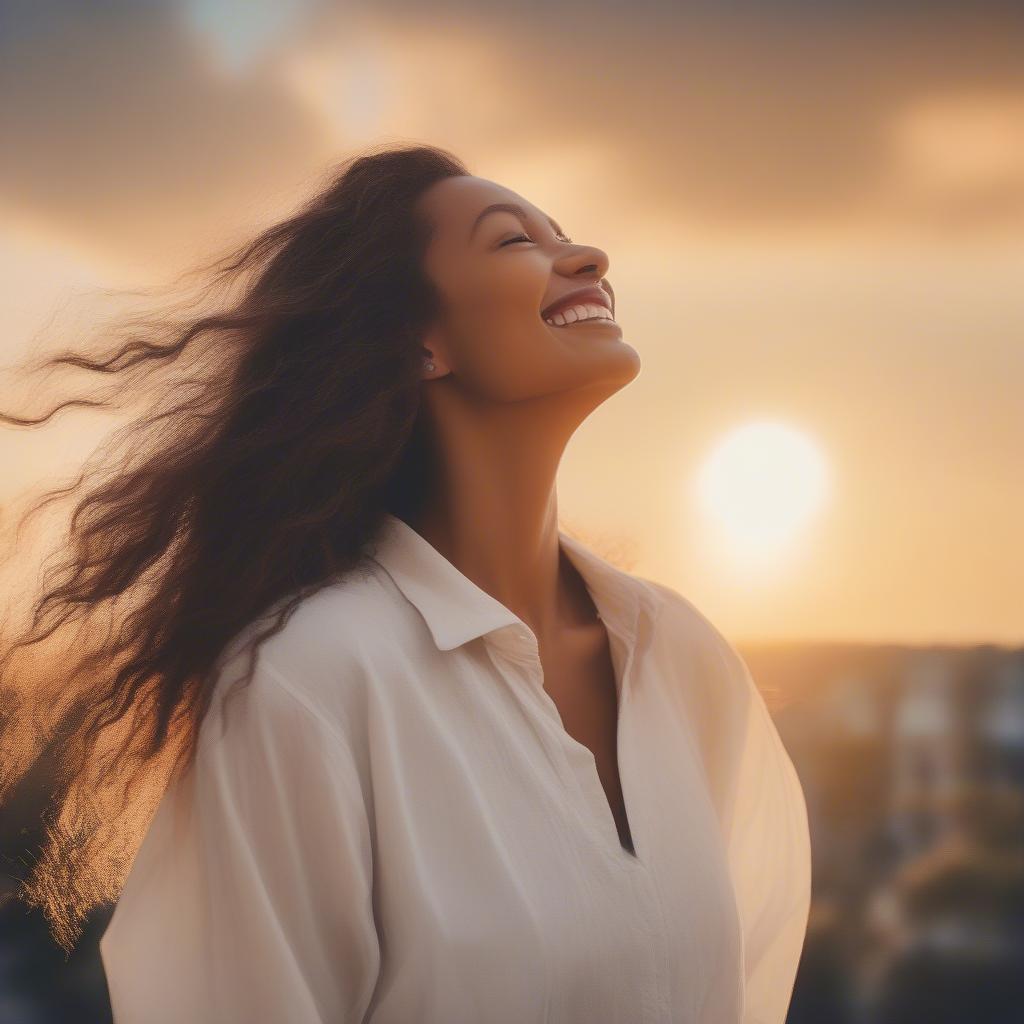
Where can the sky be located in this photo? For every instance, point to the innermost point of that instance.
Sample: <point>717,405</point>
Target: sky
<point>814,214</point>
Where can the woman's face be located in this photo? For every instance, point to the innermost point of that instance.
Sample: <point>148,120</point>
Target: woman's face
<point>496,274</point>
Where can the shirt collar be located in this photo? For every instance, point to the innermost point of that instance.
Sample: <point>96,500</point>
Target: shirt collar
<point>456,610</point>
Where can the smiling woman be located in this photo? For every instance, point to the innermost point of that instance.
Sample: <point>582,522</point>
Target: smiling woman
<point>434,758</point>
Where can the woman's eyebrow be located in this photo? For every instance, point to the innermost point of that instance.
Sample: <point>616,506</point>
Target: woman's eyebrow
<point>513,208</point>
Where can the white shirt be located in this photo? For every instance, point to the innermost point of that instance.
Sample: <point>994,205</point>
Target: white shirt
<point>395,826</point>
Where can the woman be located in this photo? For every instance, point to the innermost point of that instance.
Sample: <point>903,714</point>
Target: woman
<point>476,772</point>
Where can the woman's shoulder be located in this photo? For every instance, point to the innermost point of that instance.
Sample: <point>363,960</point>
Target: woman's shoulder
<point>707,672</point>
<point>681,620</point>
<point>738,741</point>
<point>332,649</point>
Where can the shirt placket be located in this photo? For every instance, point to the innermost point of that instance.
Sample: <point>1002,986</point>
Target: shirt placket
<point>587,804</point>
<point>586,799</point>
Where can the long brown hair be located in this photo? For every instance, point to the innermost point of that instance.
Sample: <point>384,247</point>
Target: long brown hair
<point>259,483</point>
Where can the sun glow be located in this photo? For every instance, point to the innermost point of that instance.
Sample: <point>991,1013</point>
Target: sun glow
<point>761,487</point>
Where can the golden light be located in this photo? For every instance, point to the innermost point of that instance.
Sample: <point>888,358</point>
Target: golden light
<point>957,144</point>
<point>761,487</point>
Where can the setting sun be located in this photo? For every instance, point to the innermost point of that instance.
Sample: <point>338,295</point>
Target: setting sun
<point>760,486</point>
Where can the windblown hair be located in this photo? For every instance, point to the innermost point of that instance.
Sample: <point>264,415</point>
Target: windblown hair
<point>260,482</point>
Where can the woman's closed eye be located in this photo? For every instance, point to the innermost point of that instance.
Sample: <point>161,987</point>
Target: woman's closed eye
<point>526,238</point>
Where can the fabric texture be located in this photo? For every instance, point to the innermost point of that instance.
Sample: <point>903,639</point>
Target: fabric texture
<point>390,824</point>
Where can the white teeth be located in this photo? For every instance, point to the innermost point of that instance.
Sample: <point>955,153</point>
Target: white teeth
<point>585,311</point>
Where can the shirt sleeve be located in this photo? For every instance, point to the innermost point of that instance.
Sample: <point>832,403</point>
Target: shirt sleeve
<point>769,851</point>
<point>250,897</point>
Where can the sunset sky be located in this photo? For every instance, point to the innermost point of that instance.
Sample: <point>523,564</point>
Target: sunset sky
<point>814,214</point>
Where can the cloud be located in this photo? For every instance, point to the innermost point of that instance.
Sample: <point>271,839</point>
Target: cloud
<point>139,125</point>
<point>759,122</point>
<point>123,125</point>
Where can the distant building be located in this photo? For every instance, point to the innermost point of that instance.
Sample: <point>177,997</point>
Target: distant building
<point>927,754</point>
<point>999,726</point>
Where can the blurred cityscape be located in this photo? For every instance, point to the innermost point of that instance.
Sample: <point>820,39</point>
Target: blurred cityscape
<point>912,763</point>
